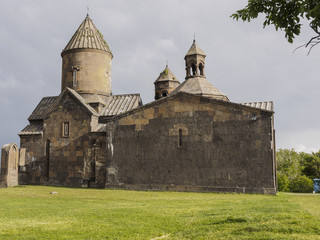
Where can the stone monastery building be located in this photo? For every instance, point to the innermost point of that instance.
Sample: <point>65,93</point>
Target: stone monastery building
<point>191,138</point>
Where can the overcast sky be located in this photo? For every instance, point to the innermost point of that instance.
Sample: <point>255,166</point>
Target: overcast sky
<point>245,61</point>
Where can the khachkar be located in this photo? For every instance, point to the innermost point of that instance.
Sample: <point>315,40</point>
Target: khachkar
<point>10,164</point>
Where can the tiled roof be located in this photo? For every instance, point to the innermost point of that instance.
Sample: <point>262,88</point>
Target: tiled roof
<point>261,105</point>
<point>32,129</point>
<point>195,49</point>
<point>87,36</point>
<point>39,112</point>
<point>118,104</point>
<point>166,75</point>
<point>200,86</point>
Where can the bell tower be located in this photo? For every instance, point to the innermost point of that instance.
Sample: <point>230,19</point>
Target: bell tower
<point>195,61</point>
<point>196,82</point>
<point>165,83</point>
<point>86,61</point>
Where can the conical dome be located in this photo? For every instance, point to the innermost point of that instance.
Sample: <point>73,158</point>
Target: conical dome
<point>195,49</point>
<point>87,36</point>
<point>201,87</point>
<point>166,75</point>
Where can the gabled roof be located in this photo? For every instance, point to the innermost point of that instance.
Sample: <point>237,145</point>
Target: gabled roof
<point>32,129</point>
<point>41,108</point>
<point>200,86</point>
<point>76,96</point>
<point>118,104</point>
<point>195,49</point>
<point>87,36</point>
<point>261,105</point>
<point>166,75</point>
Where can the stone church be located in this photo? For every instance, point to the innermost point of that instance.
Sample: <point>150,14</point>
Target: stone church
<point>191,138</point>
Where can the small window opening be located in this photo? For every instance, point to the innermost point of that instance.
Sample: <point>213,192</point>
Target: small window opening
<point>194,69</point>
<point>201,69</point>
<point>180,137</point>
<point>164,93</point>
<point>65,129</point>
<point>75,77</point>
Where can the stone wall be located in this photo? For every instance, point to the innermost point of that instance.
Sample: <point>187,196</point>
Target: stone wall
<point>72,159</point>
<point>77,159</point>
<point>34,165</point>
<point>93,70</point>
<point>189,143</point>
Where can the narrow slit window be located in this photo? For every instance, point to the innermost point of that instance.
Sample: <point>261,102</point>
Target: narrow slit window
<point>180,137</point>
<point>65,129</point>
<point>75,77</point>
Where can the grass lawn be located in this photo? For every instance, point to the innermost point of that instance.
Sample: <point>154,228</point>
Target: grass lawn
<point>31,212</point>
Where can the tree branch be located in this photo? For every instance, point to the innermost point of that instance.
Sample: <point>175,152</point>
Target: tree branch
<point>311,43</point>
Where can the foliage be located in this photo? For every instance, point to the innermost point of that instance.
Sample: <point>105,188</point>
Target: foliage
<point>285,15</point>
<point>294,168</point>
<point>301,184</point>
<point>165,72</point>
<point>31,212</point>
<point>311,165</point>
<point>288,162</point>
<point>283,183</point>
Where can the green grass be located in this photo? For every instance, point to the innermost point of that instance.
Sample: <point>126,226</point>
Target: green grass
<point>31,212</point>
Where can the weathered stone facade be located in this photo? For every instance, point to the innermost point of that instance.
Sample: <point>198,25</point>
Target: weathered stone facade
<point>192,138</point>
<point>188,143</point>
<point>80,66</point>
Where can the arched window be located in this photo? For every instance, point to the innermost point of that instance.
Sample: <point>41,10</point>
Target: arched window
<point>201,68</point>
<point>74,75</point>
<point>65,129</point>
<point>164,93</point>
<point>194,69</point>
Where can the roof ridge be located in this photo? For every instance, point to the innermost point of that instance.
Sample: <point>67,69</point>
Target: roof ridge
<point>77,96</point>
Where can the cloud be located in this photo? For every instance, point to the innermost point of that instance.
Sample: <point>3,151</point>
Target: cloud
<point>244,60</point>
<point>303,148</point>
<point>302,140</point>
